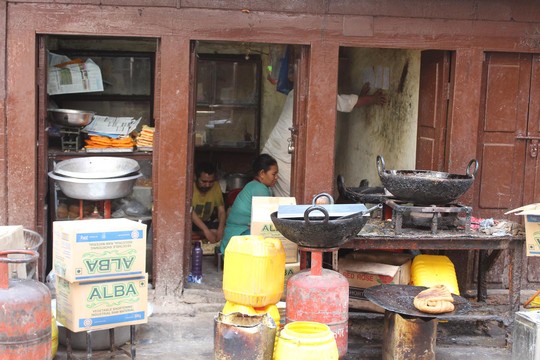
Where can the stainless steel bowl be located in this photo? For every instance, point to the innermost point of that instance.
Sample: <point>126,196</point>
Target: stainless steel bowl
<point>71,118</point>
<point>95,189</point>
<point>97,167</point>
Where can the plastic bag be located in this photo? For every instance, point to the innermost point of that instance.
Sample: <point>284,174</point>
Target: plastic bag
<point>276,53</point>
<point>284,85</point>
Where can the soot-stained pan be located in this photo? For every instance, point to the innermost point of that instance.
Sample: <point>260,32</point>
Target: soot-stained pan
<point>426,187</point>
<point>399,299</point>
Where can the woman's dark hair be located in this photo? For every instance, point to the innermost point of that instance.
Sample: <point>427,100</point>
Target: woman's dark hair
<point>263,162</point>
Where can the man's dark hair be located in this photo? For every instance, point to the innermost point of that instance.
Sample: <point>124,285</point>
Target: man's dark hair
<point>204,167</point>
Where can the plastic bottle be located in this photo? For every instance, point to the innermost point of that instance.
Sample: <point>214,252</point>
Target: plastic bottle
<point>196,260</point>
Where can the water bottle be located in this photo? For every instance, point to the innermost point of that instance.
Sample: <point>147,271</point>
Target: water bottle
<point>196,261</point>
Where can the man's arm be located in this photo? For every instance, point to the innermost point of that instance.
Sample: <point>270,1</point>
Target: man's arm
<point>208,234</point>
<point>378,98</point>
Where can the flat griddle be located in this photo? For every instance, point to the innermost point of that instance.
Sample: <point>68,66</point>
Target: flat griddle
<point>399,299</point>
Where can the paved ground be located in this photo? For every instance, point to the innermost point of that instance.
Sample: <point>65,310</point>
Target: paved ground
<point>184,329</point>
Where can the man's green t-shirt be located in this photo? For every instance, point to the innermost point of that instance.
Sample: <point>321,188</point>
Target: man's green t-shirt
<point>206,204</point>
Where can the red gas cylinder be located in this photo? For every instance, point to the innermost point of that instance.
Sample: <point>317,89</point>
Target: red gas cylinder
<point>320,295</point>
<point>25,314</point>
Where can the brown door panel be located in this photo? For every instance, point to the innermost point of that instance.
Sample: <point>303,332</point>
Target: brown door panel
<point>432,110</point>
<point>531,191</point>
<point>496,176</point>
<point>504,116</point>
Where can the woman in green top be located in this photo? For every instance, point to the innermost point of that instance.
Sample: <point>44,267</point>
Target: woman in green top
<point>239,219</point>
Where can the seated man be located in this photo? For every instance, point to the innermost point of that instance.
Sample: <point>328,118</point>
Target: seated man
<point>207,207</point>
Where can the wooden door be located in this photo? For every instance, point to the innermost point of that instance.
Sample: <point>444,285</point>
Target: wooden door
<point>531,186</point>
<point>504,117</point>
<point>432,110</point>
<point>509,133</point>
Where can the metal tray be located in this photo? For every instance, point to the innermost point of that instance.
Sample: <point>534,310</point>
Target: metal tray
<point>399,299</point>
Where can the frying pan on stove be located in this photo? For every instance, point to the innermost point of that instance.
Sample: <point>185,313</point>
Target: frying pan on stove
<point>426,187</point>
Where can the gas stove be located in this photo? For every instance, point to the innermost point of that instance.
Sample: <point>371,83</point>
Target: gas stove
<point>435,217</point>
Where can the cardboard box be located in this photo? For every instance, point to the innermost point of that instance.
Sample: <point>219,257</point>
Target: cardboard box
<point>367,269</point>
<point>290,270</point>
<point>95,305</point>
<point>261,224</point>
<point>12,238</point>
<point>85,250</point>
<point>531,215</point>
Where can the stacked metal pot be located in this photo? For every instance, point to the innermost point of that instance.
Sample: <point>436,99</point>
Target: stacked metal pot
<point>96,177</point>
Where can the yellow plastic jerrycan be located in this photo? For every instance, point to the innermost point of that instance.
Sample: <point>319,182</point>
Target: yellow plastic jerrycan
<point>306,340</point>
<point>254,271</point>
<point>430,270</point>
<point>54,337</point>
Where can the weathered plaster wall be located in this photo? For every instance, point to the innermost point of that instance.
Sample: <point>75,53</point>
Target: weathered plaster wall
<point>388,130</point>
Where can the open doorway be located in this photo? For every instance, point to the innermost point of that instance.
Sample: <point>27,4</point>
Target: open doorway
<point>237,103</point>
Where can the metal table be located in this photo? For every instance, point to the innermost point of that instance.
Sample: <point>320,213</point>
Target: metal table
<point>489,247</point>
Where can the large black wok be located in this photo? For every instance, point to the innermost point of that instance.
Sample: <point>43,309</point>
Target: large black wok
<point>321,232</point>
<point>426,187</point>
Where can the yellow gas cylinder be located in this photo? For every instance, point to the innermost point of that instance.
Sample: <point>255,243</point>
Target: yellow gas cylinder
<point>54,331</point>
<point>430,270</point>
<point>306,340</point>
<point>254,271</point>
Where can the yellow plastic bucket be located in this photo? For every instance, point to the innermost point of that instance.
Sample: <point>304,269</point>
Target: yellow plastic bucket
<point>430,270</point>
<point>254,271</point>
<point>306,340</point>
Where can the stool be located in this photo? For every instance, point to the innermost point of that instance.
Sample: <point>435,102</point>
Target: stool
<point>218,258</point>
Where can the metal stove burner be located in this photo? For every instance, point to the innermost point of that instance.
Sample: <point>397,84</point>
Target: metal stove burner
<point>450,215</point>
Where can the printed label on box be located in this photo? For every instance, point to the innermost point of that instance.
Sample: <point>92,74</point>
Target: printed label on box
<point>87,250</point>
<point>83,306</point>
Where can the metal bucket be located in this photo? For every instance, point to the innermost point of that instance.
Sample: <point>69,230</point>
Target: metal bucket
<point>244,337</point>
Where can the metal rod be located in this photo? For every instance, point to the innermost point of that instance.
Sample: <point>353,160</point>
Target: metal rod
<point>132,335</point>
<point>316,263</point>
<point>69,349</point>
<point>89,345</point>
<point>112,342</point>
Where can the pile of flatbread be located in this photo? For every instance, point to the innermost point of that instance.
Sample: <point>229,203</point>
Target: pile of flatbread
<point>434,300</point>
<point>146,137</point>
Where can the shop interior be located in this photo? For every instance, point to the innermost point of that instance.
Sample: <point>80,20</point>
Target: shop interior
<point>237,105</point>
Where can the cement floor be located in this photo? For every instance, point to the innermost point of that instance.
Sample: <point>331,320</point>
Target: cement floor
<point>183,328</point>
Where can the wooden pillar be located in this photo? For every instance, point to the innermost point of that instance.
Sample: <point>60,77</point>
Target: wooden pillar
<point>321,119</point>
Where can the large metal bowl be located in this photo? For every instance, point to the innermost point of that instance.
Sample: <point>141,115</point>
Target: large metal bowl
<point>70,118</point>
<point>97,167</point>
<point>321,232</point>
<point>95,189</point>
<point>425,187</point>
